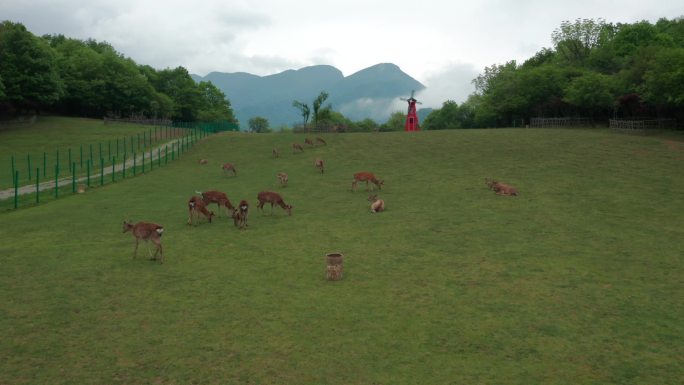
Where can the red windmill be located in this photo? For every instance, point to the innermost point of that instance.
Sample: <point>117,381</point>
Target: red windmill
<point>411,117</point>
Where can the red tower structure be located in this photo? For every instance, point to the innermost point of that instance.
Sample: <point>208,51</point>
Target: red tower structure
<point>411,116</point>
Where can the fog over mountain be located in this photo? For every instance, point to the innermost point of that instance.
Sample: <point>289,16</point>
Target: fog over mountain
<point>372,93</point>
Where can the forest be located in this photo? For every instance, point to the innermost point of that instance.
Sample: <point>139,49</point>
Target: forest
<point>595,70</point>
<point>65,76</point>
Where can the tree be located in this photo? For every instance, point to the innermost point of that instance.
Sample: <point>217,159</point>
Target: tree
<point>396,122</point>
<point>664,80</point>
<point>214,104</point>
<point>317,103</point>
<point>574,41</point>
<point>303,110</point>
<point>27,68</point>
<point>259,124</point>
<point>591,91</point>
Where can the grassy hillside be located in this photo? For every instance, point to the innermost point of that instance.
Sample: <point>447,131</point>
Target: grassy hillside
<point>577,279</point>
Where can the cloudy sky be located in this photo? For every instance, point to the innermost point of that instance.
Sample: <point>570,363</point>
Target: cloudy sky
<point>442,43</point>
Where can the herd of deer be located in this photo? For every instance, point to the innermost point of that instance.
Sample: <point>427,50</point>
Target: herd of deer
<point>197,204</point>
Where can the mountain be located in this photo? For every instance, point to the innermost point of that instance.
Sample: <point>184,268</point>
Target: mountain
<point>369,93</point>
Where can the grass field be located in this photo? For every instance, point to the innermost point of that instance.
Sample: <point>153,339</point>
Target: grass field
<point>577,280</point>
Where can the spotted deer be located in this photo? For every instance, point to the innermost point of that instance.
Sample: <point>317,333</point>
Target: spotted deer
<point>377,205</point>
<point>228,167</point>
<point>218,197</point>
<point>297,147</point>
<point>501,188</point>
<point>148,232</point>
<point>240,215</point>
<point>274,199</point>
<point>196,206</point>
<point>366,177</point>
<point>318,163</point>
<point>282,177</point>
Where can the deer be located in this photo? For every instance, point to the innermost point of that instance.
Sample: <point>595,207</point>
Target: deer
<point>240,215</point>
<point>309,142</point>
<point>218,197</point>
<point>203,161</point>
<point>318,163</point>
<point>282,177</point>
<point>377,205</point>
<point>366,177</point>
<point>320,140</point>
<point>148,232</point>
<point>272,198</point>
<point>501,188</point>
<point>297,147</point>
<point>275,153</point>
<point>227,167</point>
<point>196,206</point>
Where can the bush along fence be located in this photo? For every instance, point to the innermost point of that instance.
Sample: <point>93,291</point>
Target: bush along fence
<point>70,172</point>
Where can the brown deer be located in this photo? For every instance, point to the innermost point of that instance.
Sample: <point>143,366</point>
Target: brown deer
<point>377,205</point>
<point>282,177</point>
<point>148,232</point>
<point>218,197</point>
<point>203,161</point>
<point>240,215</point>
<point>320,140</point>
<point>272,198</point>
<point>297,147</point>
<point>501,188</point>
<point>366,177</point>
<point>309,142</point>
<point>227,167</point>
<point>196,206</point>
<point>276,154</point>
<point>318,163</point>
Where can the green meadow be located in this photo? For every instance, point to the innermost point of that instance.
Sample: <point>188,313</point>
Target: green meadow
<point>576,280</point>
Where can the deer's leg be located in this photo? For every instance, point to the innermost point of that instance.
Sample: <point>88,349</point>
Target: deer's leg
<point>135,251</point>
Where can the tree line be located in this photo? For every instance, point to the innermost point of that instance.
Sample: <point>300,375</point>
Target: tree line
<point>595,69</point>
<point>91,79</point>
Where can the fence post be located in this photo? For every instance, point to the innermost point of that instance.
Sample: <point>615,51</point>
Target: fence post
<point>91,155</point>
<point>151,160</point>
<point>16,188</point>
<point>124,166</point>
<point>56,181</point>
<point>113,169</point>
<point>88,163</point>
<point>73,177</point>
<point>37,185</point>
<point>143,162</point>
<point>135,157</point>
<point>101,171</point>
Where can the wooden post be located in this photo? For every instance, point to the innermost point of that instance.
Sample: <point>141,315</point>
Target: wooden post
<point>334,269</point>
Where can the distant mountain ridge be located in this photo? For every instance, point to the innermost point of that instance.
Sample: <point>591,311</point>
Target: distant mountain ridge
<point>369,93</point>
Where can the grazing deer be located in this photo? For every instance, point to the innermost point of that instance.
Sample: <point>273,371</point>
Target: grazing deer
<point>297,147</point>
<point>309,142</point>
<point>148,232</point>
<point>282,177</point>
<point>218,197</point>
<point>196,206</point>
<point>366,177</point>
<point>276,154</point>
<point>319,164</point>
<point>377,205</point>
<point>203,161</point>
<point>320,140</point>
<point>501,188</point>
<point>240,215</point>
<point>227,167</point>
<point>272,198</point>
